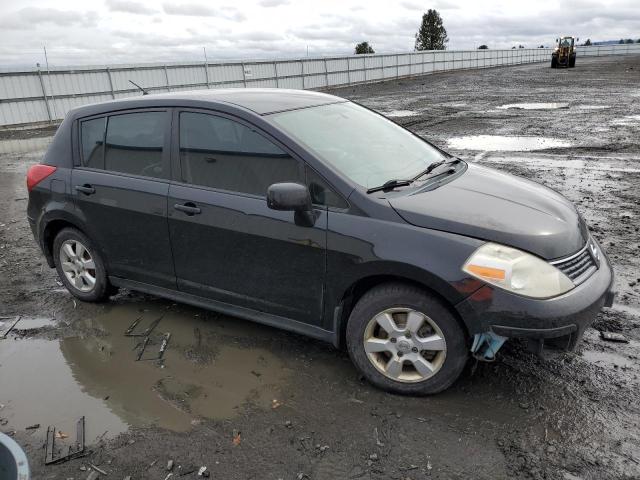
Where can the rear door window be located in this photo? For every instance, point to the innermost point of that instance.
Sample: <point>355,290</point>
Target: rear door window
<point>221,153</point>
<point>135,144</point>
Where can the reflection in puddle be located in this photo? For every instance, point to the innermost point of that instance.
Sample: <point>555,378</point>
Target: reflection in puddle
<point>504,143</point>
<point>98,375</point>
<point>535,106</point>
<point>38,386</point>
<point>25,145</point>
<point>400,113</point>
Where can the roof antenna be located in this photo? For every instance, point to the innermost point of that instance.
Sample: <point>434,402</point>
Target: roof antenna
<point>144,92</point>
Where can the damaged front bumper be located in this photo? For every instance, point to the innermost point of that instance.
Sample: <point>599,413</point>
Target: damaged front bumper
<point>558,322</point>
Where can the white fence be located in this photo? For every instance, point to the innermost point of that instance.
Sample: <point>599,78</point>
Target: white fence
<point>37,95</point>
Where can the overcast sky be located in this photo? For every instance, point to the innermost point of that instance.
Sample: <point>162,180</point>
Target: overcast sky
<point>128,31</point>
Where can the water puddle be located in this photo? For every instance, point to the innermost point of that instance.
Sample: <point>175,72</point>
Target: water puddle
<point>25,325</point>
<point>607,358</point>
<point>541,161</point>
<point>534,106</point>
<point>400,113</point>
<point>505,143</point>
<point>592,107</point>
<point>97,375</point>
<point>39,387</point>
<point>629,120</point>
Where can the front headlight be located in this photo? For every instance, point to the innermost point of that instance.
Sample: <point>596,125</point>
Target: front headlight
<point>517,271</point>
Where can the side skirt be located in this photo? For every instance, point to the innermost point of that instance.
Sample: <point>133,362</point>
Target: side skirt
<point>228,309</point>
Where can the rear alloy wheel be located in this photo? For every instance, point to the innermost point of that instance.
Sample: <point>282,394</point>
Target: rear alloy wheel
<point>79,266</point>
<point>405,340</point>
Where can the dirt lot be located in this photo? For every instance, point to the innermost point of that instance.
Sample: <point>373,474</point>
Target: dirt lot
<point>248,401</point>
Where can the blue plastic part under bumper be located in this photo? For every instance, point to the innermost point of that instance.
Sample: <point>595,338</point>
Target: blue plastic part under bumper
<point>486,345</point>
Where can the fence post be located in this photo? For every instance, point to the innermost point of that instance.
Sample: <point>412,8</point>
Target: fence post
<point>397,67</point>
<point>166,77</point>
<point>326,74</point>
<point>206,74</point>
<point>275,67</point>
<point>44,94</point>
<point>364,69</point>
<point>113,95</point>
<point>348,70</point>
<point>244,76</point>
<point>302,72</point>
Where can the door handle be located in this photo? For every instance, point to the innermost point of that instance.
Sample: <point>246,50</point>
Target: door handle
<point>86,189</point>
<point>189,208</point>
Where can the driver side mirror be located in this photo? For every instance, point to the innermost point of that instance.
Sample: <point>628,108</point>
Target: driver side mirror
<point>289,197</point>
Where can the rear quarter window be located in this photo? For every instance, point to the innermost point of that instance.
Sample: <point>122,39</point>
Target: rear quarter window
<point>92,142</point>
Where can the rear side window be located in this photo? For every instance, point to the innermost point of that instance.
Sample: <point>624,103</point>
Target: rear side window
<point>135,143</point>
<point>92,133</point>
<point>221,153</point>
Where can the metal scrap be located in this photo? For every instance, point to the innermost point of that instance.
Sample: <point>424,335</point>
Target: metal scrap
<point>613,337</point>
<point>11,327</point>
<point>130,332</point>
<point>76,450</point>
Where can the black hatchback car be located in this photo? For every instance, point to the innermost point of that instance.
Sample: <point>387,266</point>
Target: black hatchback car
<point>311,213</point>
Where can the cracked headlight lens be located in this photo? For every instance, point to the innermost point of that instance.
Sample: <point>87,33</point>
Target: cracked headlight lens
<point>517,271</point>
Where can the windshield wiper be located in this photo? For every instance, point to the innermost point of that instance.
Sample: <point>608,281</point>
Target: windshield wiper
<point>390,185</point>
<point>435,165</point>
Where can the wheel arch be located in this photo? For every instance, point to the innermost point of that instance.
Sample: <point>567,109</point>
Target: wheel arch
<point>52,227</point>
<point>358,288</point>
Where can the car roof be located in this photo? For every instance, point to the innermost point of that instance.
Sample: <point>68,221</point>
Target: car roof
<point>262,101</point>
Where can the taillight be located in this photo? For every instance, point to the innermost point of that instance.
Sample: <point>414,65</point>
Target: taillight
<point>37,173</point>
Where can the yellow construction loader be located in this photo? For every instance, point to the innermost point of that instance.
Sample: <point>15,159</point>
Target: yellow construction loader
<point>564,54</point>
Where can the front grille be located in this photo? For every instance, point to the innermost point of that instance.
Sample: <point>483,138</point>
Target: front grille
<point>578,267</point>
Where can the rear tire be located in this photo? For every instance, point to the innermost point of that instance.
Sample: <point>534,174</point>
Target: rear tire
<point>80,266</point>
<point>420,350</point>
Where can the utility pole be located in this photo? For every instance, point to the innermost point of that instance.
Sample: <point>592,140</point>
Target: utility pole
<point>53,103</point>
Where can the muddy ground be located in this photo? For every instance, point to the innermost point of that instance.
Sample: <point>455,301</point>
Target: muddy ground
<point>248,401</point>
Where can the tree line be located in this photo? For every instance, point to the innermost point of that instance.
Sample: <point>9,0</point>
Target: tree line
<point>433,36</point>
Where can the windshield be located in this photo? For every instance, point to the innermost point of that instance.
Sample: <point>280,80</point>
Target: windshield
<point>566,42</point>
<point>364,146</point>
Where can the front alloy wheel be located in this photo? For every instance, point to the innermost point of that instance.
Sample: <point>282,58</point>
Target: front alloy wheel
<point>405,340</point>
<point>405,345</point>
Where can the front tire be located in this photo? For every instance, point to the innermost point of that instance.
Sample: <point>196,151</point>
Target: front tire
<point>80,266</point>
<point>404,340</point>
<point>554,62</point>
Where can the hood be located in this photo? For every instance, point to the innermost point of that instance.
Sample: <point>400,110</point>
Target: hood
<point>494,206</point>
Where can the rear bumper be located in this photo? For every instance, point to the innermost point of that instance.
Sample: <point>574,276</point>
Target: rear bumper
<point>563,318</point>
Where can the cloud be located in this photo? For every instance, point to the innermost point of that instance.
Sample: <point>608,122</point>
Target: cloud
<point>31,17</point>
<point>272,3</point>
<point>200,10</point>
<point>127,6</point>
